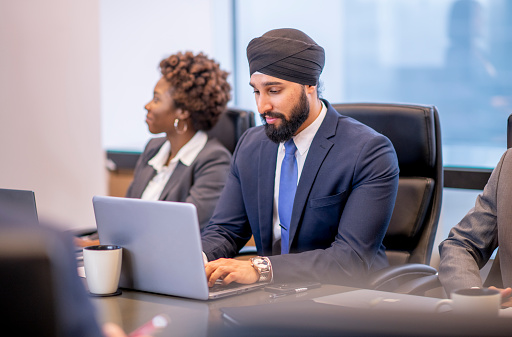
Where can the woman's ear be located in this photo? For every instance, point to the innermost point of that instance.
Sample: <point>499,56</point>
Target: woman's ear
<point>182,114</point>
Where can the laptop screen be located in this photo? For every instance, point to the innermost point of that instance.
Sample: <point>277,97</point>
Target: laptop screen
<point>19,205</point>
<point>162,250</point>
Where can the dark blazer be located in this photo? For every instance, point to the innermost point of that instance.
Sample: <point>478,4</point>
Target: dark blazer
<point>200,183</point>
<point>472,241</point>
<point>342,208</point>
<point>73,313</point>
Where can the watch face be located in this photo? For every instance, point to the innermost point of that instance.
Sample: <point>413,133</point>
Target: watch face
<point>262,266</point>
<point>260,262</point>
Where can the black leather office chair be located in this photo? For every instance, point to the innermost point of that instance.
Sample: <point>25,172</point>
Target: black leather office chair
<point>509,132</point>
<point>415,133</point>
<point>231,125</point>
<point>420,285</point>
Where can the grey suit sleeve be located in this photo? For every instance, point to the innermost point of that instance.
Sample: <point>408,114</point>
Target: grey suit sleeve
<point>472,241</point>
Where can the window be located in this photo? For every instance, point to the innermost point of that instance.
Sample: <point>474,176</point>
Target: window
<point>452,54</point>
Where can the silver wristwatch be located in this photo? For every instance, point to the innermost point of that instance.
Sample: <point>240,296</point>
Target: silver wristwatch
<point>263,267</point>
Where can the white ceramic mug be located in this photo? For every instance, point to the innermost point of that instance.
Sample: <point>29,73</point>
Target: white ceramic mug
<point>474,301</point>
<point>102,266</point>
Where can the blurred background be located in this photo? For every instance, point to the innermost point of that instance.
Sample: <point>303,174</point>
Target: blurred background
<point>75,76</point>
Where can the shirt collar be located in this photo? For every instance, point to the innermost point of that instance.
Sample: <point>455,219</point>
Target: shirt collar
<point>187,154</point>
<point>304,138</point>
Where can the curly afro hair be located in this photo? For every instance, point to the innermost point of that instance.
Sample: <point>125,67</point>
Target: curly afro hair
<point>198,85</point>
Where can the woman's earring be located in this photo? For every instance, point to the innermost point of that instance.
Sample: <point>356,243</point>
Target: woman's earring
<point>176,127</point>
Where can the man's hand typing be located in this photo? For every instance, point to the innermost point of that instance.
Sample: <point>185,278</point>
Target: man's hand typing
<point>231,270</point>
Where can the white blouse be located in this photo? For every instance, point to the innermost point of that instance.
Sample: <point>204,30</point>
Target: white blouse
<point>187,154</point>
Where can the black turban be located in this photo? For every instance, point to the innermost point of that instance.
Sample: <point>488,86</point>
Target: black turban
<point>288,54</point>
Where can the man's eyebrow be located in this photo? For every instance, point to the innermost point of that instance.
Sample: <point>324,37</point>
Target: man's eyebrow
<point>267,84</point>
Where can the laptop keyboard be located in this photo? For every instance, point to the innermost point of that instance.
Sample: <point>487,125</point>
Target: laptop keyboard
<point>218,286</point>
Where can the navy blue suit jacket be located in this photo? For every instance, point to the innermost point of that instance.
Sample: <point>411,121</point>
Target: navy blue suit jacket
<point>342,208</point>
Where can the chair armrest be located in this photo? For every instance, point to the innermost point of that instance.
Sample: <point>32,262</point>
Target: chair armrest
<point>420,285</point>
<point>248,250</point>
<point>246,253</point>
<point>83,232</point>
<point>392,277</point>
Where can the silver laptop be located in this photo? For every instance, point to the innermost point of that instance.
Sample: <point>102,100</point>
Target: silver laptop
<point>20,204</point>
<point>162,251</point>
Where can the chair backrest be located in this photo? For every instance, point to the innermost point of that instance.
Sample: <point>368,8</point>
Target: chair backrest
<point>415,133</point>
<point>509,132</point>
<point>231,125</point>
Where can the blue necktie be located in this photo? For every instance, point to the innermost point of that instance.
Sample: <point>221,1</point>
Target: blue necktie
<point>287,188</point>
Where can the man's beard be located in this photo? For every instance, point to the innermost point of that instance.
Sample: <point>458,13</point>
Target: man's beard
<point>287,129</point>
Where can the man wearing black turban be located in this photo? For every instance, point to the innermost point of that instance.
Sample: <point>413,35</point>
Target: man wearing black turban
<point>328,222</point>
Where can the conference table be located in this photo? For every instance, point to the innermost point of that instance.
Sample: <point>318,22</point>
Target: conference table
<point>331,310</point>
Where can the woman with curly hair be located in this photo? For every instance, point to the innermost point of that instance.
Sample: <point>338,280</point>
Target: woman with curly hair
<point>185,165</point>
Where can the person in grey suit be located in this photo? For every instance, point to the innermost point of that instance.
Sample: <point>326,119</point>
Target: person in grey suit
<point>473,240</point>
<point>185,165</point>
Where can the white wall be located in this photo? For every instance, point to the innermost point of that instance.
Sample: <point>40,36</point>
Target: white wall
<point>74,78</point>
<point>50,106</point>
<point>135,37</point>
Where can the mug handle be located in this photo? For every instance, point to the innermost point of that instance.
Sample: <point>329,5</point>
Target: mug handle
<point>443,302</point>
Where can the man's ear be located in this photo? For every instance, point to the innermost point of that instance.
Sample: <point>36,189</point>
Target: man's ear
<point>310,89</point>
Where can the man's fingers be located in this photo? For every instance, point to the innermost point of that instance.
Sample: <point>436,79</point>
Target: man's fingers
<point>211,266</point>
<point>218,273</point>
<point>231,277</point>
<point>229,271</point>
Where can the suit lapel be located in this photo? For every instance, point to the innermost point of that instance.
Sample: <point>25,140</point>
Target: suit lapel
<point>174,180</point>
<point>266,178</point>
<point>316,155</point>
<point>147,173</point>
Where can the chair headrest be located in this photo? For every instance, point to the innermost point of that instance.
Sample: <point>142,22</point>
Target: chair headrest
<point>411,129</point>
<point>231,125</point>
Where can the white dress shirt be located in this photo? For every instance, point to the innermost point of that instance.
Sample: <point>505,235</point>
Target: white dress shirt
<point>187,154</point>
<point>302,141</point>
